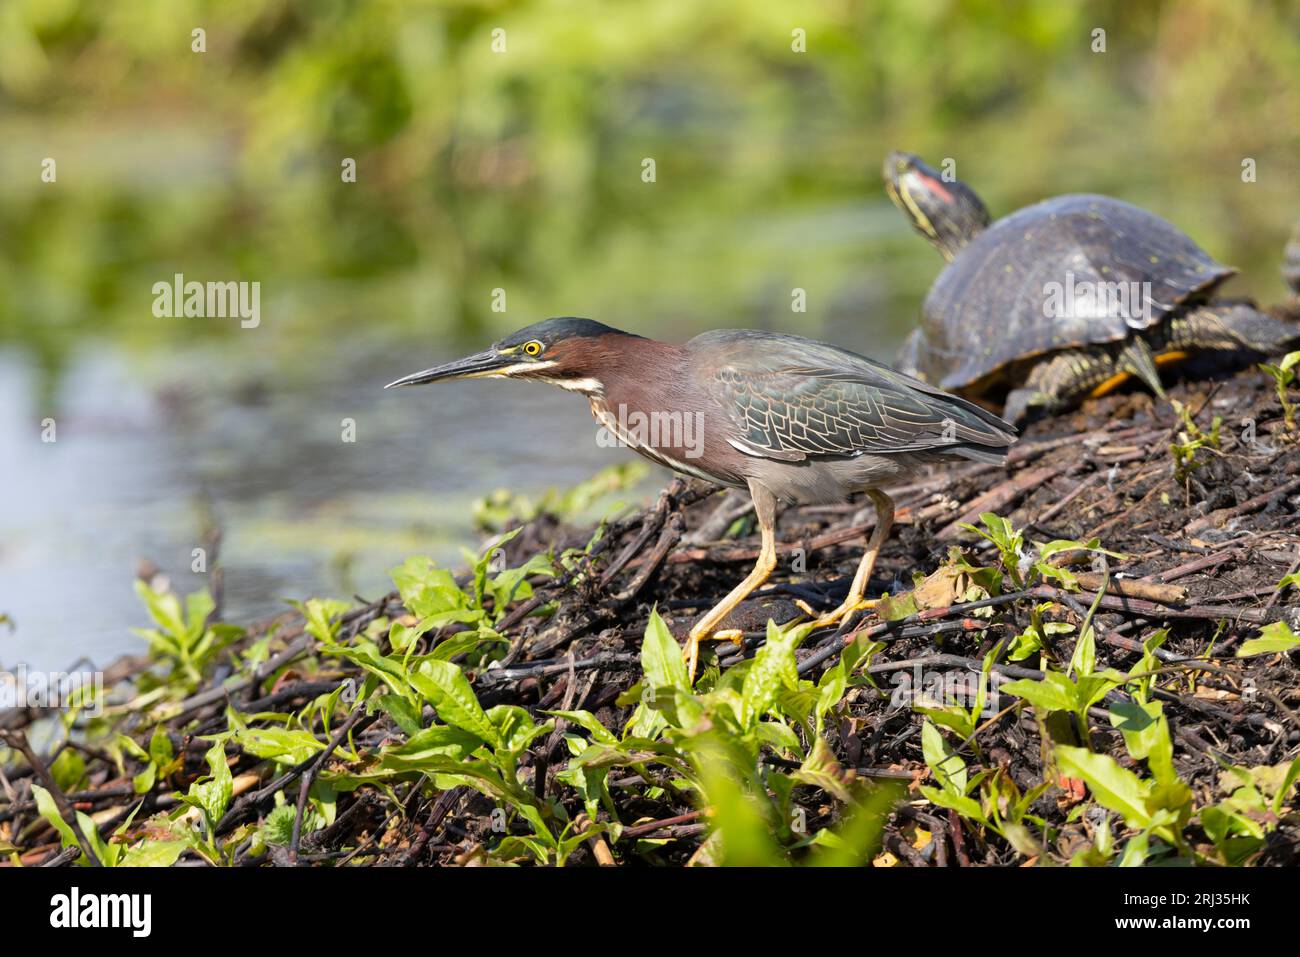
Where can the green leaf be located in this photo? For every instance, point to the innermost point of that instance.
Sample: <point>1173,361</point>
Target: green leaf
<point>1279,799</point>
<point>516,727</point>
<point>1084,659</point>
<point>47,809</point>
<point>823,771</point>
<point>213,796</point>
<point>68,769</point>
<point>153,854</point>
<point>511,585</point>
<point>778,736</point>
<point>966,806</point>
<point>1139,723</point>
<point>464,642</point>
<point>1089,689</point>
<point>164,608</point>
<point>366,654</point>
<point>948,767</point>
<point>108,854</point>
<point>431,593</point>
<point>198,605</point>
<point>1113,786</point>
<point>1274,637</point>
<point>830,689</point>
<point>742,819</point>
<point>319,614</point>
<point>160,747</point>
<point>587,721</point>
<point>1146,735</point>
<point>405,714</point>
<point>446,688</point>
<point>661,656</point>
<point>774,668</point>
<point>429,746</point>
<point>890,608</point>
<point>1054,693</point>
<point>1027,643</point>
<point>680,709</point>
<point>284,745</point>
<point>143,782</point>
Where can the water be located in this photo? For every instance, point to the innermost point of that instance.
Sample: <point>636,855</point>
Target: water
<point>143,452</point>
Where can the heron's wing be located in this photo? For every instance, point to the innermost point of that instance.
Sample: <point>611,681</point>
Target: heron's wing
<point>797,412</point>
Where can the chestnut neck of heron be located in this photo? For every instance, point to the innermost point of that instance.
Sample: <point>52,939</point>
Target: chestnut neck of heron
<point>639,373</point>
<point>653,400</point>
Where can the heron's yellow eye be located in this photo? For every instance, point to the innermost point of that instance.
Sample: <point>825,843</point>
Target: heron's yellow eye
<point>533,348</point>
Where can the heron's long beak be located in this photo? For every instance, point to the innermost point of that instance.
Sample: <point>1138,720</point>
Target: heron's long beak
<point>471,367</point>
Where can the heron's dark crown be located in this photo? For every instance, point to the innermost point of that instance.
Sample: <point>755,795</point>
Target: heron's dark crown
<point>550,331</point>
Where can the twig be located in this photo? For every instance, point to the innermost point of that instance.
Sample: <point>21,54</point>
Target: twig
<point>357,719</point>
<point>62,858</point>
<point>18,741</point>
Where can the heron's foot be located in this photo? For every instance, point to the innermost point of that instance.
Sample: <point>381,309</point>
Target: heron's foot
<point>843,611</point>
<point>691,650</point>
<point>806,608</point>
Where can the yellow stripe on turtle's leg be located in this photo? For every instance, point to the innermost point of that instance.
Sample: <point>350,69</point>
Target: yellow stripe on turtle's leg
<point>1109,385</point>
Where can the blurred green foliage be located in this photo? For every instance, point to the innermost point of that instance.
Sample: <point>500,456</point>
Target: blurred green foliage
<point>522,169</point>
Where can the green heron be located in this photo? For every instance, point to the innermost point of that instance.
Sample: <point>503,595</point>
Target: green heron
<point>785,417</point>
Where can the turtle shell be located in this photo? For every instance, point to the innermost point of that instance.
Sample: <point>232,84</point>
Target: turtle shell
<point>1029,285</point>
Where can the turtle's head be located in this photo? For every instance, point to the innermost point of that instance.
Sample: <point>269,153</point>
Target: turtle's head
<point>943,209</point>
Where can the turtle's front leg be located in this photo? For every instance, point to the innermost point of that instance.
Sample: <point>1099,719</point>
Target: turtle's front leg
<point>1061,381</point>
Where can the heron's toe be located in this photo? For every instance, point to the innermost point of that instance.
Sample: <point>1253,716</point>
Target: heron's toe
<point>733,635</point>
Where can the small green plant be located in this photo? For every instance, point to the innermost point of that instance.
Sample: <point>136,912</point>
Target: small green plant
<point>1078,688</point>
<point>183,639</point>
<point>143,852</point>
<point>435,600</point>
<point>720,741</point>
<point>160,761</point>
<point>1283,377</point>
<point>1190,439</point>
<point>1026,562</point>
<point>989,798</point>
<point>1255,801</point>
<point>502,508</point>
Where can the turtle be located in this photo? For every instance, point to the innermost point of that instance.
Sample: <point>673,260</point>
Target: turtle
<point>1066,298</point>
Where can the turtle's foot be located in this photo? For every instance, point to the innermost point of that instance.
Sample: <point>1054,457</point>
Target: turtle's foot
<point>1021,402</point>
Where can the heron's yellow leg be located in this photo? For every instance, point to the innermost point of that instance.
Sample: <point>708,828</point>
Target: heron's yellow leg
<point>765,508</point>
<point>884,522</point>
